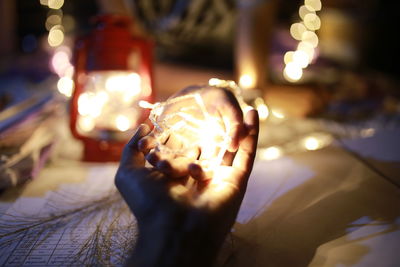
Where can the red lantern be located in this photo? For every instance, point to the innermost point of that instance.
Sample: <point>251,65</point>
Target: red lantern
<point>113,72</point>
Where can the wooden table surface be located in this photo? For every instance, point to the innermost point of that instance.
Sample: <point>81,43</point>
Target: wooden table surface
<point>329,207</point>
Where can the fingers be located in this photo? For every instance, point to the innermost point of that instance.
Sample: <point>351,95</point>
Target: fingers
<point>235,131</point>
<point>132,156</point>
<point>233,117</point>
<point>228,158</point>
<point>175,168</point>
<point>146,143</point>
<point>198,173</point>
<point>247,148</point>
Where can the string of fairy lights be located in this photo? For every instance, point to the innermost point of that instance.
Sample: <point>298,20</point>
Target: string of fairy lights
<point>304,32</point>
<point>311,141</point>
<point>57,24</point>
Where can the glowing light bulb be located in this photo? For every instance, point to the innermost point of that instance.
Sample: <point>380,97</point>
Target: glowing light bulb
<point>262,108</point>
<point>307,48</point>
<point>301,58</point>
<point>312,21</point>
<point>55,4</point>
<point>88,106</point>
<point>246,81</point>
<point>132,88</point>
<point>214,82</point>
<point>129,84</point>
<point>292,72</point>
<point>122,123</point>
<point>65,86</point>
<point>314,5</point>
<point>297,30</point>
<point>288,57</point>
<point>278,114</point>
<point>310,37</point>
<point>101,98</point>
<point>270,153</point>
<point>56,36</point>
<point>86,124</point>
<point>312,143</point>
<point>303,11</point>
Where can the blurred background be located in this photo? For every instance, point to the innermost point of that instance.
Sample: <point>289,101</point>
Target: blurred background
<point>331,60</point>
<point>200,32</point>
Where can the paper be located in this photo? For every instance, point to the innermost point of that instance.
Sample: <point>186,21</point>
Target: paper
<point>90,225</point>
<point>93,235</point>
<point>268,181</point>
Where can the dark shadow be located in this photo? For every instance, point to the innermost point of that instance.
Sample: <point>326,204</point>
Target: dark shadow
<point>323,209</point>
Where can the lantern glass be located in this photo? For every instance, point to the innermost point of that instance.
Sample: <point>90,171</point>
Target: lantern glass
<point>106,104</point>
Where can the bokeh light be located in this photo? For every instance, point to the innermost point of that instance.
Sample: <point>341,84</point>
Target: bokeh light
<point>270,153</point>
<point>297,30</point>
<point>65,86</point>
<point>293,72</point>
<point>55,4</point>
<point>246,81</point>
<point>314,5</point>
<point>56,36</point>
<point>312,21</point>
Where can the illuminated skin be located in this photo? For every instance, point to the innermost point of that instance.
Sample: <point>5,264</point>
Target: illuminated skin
<point>181,223</point>
<point>219,102</point>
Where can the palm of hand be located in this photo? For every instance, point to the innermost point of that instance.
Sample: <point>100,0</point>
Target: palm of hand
<point>151,193</point>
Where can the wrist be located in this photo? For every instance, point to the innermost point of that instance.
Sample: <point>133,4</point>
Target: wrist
<point>178,244</point>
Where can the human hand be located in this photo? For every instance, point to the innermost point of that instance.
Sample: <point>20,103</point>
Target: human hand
<point>222,102</point>
<point>183,224</point>
<point>217,109</point>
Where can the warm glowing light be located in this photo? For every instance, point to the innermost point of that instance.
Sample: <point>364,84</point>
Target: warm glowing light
<point>88,106</point>
<point>314,5</point>
<point>127,85</point>
<point>56,36</point>
<point>55,4</point>
<point>53,20</point>
<point>301,58</point>
<point>297,30</point>
<point>307,48</point>
<point>288,57</point>
<point>44,2</point>
<point>194,126</point>
<point>312,143</point>
<point>310,37</point>
<point>312,22</point>
<point>304,32</point>
<point>262,108</point>
<point>270,153</point>
<point>60,62</point>
<point>86,124</point>
<point>214,82</point>
<point>246,81</point>
<point>145,104</point>
<point>292,72</point>
<point>303,11</point>
<point>122,123</point>
<point>263,111</point>
<point>65,86</point>
<point>69,71</point>
<point>101,97</point>
<point>278,114</point>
